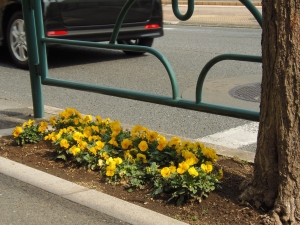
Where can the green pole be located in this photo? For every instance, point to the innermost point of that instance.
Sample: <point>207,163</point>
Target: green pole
<point>35,79</point>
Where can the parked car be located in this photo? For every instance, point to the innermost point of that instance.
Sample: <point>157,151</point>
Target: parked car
<point>87,20</point>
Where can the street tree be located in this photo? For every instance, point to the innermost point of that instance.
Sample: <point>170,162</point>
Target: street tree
<point>276,181</point>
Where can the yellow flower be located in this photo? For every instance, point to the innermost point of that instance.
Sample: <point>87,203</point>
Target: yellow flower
<point>192,161</point>
<point>113,142</point>
<point>98,119</point>
<point>77,136</point>
<point>139,130</point>
<point>140,156</point>
<point>104,155</point>
<point>77,121</point>
<point>17,131</point>
<point>109,173</point>
<point>42,126</point>
<point>193,172</point>
<point>118,160</point>
<point>162,143</point>
<point>100,163</point>
<point>82,144</point>
<point>143,146</point>
<point>99,145</point>
<point>93,150</point>
<point>95,128</point>
<point>57,136</point>
<point>64,143</point>
<point>175,142</point>
<point>115,127</point>
<point>70,129</point>
<point>182,167</point>
<point>127,155</point>
<point>165,172</point>
<point>220,176</point>
<point>87,119</point>
<point>52,120</point>
<point>126,143</point>
<point>30,122</point>
<point>87,131</point>
<point>207,167</point>
<point>50,136</point>
<point>74,150</point>
<point>111,166</point>
<point>172,169</point>
<point>210,153</point>
<point>152,136</point>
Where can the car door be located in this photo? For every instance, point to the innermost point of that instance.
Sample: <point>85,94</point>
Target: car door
<point>102,12</point>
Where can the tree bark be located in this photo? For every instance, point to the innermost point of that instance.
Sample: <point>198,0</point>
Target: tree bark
<point>276,180</point>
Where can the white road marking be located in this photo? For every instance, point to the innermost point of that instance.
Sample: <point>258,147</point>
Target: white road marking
<point>169,28</point>
<point>234,138</point>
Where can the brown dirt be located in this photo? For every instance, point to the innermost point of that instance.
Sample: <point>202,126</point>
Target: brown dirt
<point>221,207</point>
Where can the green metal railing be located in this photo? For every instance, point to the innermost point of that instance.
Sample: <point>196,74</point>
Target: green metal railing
<point>36,42</point>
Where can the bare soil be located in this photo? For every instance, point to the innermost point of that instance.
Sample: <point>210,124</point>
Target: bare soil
<point>221,207</point>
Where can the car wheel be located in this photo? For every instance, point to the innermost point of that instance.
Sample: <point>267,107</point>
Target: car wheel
<point>140,41</point>
<point>16,40</point>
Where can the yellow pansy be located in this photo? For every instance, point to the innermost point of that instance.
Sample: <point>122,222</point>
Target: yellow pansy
<point>162,143</point>
<point>182,167</point>
<point>113,142</point>
<point>175,142</point>
<point>126,143</point>
<point>52,120</point>
<point>87,119</point>
<point>118,160</point>
<point>74,150</point>
<point>93,150</point>
<point>95,128</point>
<point>98,119</point>
<point>143,146</point>
<point>172,169</point>
<point>64,143</point>
<point>87,131</point>
<point>152,136</point>
<point>207,167</point>
<point>140,156</point>
<point>193,172</point>
<point>99,145</point>
<point>17,131</point>
<point>77,136</point>
<point>210,153</point>
<point>165,172</point>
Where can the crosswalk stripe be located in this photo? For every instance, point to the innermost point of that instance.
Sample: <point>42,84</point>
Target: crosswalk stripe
<point>235,137</point>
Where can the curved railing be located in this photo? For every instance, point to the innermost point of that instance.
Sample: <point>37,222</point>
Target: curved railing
<point>36,42</point>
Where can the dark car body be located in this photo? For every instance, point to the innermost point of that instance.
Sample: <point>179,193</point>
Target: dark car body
<point>91,20</point>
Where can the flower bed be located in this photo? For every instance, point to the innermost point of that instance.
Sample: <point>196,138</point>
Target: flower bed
<point>132,158</point>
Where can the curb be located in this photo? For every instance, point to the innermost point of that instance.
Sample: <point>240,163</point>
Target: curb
<point>230,3</point>
<point>109,205</point>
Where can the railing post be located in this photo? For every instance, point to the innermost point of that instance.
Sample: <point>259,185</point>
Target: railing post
<point>35,79</point>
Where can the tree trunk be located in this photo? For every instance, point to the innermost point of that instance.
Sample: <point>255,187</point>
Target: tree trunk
<point>276,181</point>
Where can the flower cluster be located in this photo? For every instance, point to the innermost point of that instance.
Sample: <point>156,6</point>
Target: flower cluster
<point>29,132</point>
<point>136,158</point>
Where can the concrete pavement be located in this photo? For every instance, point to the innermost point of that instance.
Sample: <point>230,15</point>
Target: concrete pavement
<point>29,196</point>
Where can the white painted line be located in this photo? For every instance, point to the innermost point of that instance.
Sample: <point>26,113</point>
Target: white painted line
<point>234,138</point>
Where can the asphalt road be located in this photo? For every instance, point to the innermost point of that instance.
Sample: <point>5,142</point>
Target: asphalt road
<point>186,48</point>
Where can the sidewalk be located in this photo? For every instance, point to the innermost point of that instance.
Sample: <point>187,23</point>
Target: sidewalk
<point>213,16</point>
<point>29,196</point>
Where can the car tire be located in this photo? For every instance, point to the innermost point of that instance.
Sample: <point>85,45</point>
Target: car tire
<point>140,41</point>
<point>16,40</point>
